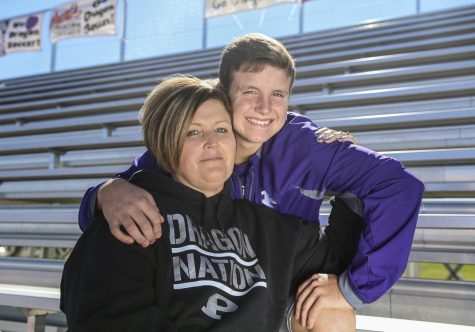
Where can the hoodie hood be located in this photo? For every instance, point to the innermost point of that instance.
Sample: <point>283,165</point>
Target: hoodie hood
<point>196,204</point>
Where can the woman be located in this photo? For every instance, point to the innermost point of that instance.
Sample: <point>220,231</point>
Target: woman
<point>222,265</point>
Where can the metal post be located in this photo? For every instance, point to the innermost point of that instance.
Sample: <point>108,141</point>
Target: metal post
<point>53,57</point>
<point>418,6</point>
<point>124,29</point>
<point>55,159</point>
<point>36,319</point>
<point>413,270</point>
<point>301,18</point>
<point>36,323</point>
<point>205,27</point>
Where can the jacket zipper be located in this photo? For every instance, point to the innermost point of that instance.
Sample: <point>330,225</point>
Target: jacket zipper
<point>243,187</point>
<point>251,186</point>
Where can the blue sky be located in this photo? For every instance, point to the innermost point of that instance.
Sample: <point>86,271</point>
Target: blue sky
<point>160,27</point>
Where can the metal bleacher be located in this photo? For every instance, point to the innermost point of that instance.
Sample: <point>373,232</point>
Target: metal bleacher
<point>404,87</point>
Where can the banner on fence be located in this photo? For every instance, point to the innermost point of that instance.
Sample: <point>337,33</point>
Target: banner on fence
<point>23,34</point>
<point>226,7</point>
<point>83,18</point>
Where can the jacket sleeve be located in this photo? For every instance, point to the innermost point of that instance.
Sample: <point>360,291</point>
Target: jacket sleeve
<point>88,203</point>
<point>389,193</point>
<point>110,286</point>
<point>391,198</point>
<point>336,247</point>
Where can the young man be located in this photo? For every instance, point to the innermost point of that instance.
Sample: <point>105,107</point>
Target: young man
<point>280,164</point>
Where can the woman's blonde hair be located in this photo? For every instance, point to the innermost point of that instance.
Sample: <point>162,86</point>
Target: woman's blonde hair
<point>168,111</point>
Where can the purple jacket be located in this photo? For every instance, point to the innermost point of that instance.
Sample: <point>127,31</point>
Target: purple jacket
<point>292,172</point>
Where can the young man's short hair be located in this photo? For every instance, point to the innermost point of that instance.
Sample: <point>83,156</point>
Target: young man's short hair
<point>250,53</point>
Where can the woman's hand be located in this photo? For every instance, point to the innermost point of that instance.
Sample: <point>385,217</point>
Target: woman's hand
<point>319,304</point>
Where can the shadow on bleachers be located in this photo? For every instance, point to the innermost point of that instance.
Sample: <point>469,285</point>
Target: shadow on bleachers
<point>404,87</point>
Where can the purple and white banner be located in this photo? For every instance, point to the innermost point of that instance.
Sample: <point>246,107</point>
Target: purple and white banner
<point>83,18</point>
<point>23,34</point>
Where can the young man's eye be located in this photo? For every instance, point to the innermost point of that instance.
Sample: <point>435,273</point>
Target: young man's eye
<point>192,133</point>
<point>249,92</point>
<point>222,130</point>
<point>278,94</point>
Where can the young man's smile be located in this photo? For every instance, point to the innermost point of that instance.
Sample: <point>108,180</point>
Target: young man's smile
<point>260,101</point>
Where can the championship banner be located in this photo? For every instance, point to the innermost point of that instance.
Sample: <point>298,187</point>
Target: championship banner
<point>3,31</point>
<point>226,7</point>
<point>23,34</point>
<point>83,18</point>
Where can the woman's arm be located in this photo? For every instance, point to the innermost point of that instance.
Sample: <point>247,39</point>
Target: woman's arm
<point>336,250</point>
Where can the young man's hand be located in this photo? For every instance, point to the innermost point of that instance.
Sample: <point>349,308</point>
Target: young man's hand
<point>319,303</point>
<point>327,135</point>
<point>133,208</point>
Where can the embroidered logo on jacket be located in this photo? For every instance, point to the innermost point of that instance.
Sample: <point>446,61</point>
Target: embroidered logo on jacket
<point>267,200</point>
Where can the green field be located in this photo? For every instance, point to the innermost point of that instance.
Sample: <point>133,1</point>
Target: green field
<point>438,271</point>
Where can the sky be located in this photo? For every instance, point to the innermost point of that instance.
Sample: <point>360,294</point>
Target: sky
<point>162,27</point>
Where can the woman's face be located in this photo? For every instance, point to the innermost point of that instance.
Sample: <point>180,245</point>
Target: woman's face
<point>207,158</point>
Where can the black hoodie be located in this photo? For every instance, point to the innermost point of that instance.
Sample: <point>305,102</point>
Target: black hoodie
<point>221,265</point>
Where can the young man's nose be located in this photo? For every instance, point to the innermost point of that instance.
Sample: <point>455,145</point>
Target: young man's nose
<point>263,105</point>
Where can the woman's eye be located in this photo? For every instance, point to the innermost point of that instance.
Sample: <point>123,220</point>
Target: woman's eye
<point>222,130</point>
<point>249,92</point>
<point>191,133</point>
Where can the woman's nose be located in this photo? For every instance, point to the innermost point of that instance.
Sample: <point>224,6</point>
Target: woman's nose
<point>211,140</point>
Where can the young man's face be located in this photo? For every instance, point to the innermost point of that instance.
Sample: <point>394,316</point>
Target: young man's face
<point>259,101</point>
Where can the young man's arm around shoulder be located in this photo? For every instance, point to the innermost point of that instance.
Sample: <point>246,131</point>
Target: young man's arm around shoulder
<point>126,205</point>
